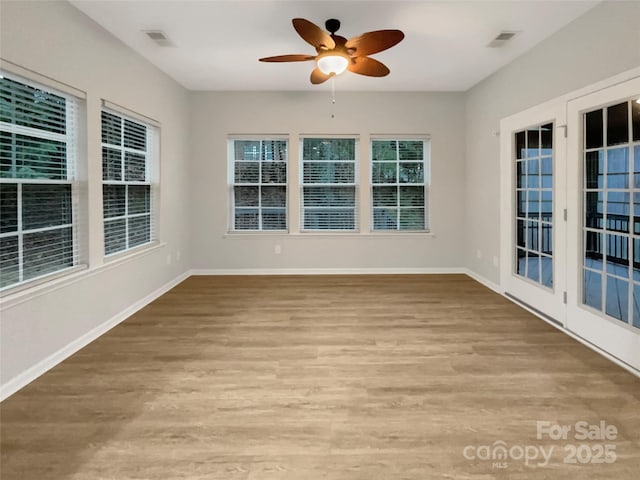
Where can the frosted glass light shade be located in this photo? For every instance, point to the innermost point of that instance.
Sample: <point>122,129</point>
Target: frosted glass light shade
<point>332,64</point>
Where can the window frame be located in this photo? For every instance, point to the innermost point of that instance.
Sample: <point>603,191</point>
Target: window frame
<point>355,184</point>
<point>73,141</point>
<point>232,184</point>
<point>426,184</point>
<point>152,173</point>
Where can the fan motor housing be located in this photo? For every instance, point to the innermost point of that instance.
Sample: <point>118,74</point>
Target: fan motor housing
<point>332,25</point>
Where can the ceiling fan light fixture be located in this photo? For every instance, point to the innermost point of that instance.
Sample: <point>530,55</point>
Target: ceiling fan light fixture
<point>332,63</point>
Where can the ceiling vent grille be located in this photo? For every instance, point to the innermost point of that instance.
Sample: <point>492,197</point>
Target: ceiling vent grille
<point>502,38</point>
<point>159,37</point>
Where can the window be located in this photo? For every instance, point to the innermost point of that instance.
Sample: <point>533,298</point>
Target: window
<point>329,194</point>
<point>534,203</point>
<point>399,187</point>
<point>611,225</point>
<point>38,184</point>
<point>128,162</point>
<point>258,178</point>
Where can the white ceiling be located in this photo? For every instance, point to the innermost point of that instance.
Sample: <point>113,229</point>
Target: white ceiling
<point>217,43</point>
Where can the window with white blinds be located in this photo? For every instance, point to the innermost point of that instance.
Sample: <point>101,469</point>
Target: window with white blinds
<point>258,179</point>
<point>399,184</point>
<point>329,199</point>
<point>128,162</point>
<point>38,184</point>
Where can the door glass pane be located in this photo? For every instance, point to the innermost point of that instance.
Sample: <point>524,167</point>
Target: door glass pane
<point>593,250</point>
<point>594,133</point>
<point>618,211</point>
<point>533,267</point>
<point>594,208</point>
<point>636,166</point>
<point>636,305</point>
<point>635,116</point>
<point>594,168</point>
<point>618,168</point>
<point>611,266</point>
<point>533,173</point>
<point>532,236</point>
<point>520,233</point>
<point>592,289</point>
<point>520,145</point>
<point>546,172</point>
<point>618,124</point>
<point>617,298</point>
<point>533,142</point>
<point>546,205</point>
<point>617,255</point>
<point>636,259</point>
<point>546,270</point>
<point>521,262</point>
<point>534,204</point>
<point>546,238</point>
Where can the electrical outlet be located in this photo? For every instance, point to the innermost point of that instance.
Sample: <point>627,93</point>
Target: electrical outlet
<point>277,249</point>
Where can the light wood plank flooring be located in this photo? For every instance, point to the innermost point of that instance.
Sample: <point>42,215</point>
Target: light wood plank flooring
<point>320,377</point>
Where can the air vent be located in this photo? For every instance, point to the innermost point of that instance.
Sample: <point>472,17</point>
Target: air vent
<point>159,37</point>
<point>502,38</point>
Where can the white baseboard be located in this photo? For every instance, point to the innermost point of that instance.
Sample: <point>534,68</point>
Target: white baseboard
<point>487,283</point>
<point>16,383</point>
<point>328,271</point>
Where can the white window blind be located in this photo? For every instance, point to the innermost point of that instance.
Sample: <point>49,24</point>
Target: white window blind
<point>399,184</point>
<point>38,182</point>
<point>129,158</point>
<point>329,184</point>
<point>258,184</point>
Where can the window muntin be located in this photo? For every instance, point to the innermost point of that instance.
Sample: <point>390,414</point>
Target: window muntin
<point>38,182</point>
<point>329,200</point>
<point>399,184</point>
<point>128,161</point>
<point>258,170</point>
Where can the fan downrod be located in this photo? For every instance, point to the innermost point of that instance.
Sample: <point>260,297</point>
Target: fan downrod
<point>332,25</point>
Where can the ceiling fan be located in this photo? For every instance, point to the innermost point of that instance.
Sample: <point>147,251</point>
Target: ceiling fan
<point>335,54</point>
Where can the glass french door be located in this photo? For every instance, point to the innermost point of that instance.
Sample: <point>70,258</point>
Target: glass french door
<point>604,232</point>
<point>532,216</point>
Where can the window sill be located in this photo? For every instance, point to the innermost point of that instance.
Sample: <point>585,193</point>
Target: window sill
<point>397,234</point>
<point>27,292</point>
<point>121,257</point>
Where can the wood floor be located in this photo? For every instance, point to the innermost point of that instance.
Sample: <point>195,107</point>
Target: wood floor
<point>322,377</point>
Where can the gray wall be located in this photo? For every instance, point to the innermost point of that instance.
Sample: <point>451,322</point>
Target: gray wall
<point>56,40</point>
<point>601,43</point>
<point>215,115</point>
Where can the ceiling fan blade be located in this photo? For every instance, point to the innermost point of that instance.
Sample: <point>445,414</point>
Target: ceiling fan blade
<point>368,66</point>
<point>313,34</point>
<point>318,77</point>
<point>288,58</point>
<point>374,42</point>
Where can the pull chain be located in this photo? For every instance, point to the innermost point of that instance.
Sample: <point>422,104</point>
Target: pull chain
<point>333,96</point>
